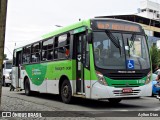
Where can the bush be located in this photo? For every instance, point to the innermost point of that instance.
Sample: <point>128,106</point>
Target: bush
<point>155,53</point>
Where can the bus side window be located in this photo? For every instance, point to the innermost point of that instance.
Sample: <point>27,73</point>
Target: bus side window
<point>61,43</point>
<point>62,47</point>
<point>35,56</point>
<point>47,50</point>
<point>26,55</point>
<point>50,49</point>
<point>56,48</point>
<point>50,55</point>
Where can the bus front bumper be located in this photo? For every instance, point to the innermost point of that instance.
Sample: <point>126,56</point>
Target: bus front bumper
<point>101,92</point>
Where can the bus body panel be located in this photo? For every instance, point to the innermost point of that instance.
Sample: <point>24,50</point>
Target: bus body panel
<point>38,73</point>
<point>101,92</point>
<point>15,77</point>
<point>45,77</point>
<point>87,83</point>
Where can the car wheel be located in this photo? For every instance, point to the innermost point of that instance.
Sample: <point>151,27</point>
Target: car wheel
<point>66,92</point>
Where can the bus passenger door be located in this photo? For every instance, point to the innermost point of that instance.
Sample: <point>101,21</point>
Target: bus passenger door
<point>80,43</point>
<point>16,70</point>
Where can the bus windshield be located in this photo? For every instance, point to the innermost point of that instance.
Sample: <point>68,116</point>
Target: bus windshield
<point>129,52</point>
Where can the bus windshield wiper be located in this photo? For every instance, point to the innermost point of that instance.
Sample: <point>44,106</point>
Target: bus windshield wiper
<point>112,38</point>
<point>132,39</point>
<point>128,47</point>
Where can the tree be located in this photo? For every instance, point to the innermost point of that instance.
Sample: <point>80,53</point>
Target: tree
<point>3,11</point>
<point>154,57</point>
<point>5,57</point>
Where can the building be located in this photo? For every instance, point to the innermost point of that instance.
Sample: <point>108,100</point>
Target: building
<point>149,9</point>
<point>148,16</point>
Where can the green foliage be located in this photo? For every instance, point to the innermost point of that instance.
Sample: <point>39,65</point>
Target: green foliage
<point>5,57</point>
<point>155,53</point>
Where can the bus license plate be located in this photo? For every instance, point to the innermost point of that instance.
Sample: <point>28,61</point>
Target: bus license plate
<point>127,90</point>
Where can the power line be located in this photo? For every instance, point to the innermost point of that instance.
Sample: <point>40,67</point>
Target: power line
<point>9,51</point>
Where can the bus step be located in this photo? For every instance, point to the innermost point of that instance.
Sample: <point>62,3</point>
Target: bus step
<point>79,95</point>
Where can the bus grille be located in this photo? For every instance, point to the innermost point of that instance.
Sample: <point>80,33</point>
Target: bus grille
<point>120,93</point>
<point>124,85</point>
<point>126,76</point>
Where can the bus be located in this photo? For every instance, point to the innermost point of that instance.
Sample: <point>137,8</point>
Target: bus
<point>7,68</point>
<point>99,58</point>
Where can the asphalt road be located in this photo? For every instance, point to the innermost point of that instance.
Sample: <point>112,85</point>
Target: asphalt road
<point>18,101</point>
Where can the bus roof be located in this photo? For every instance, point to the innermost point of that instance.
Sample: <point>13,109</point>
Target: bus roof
<point>70,27</point>
<point>59,31</point>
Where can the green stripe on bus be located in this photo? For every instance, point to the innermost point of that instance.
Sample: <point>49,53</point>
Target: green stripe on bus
<point>51,71</point>
<point>82,29</point>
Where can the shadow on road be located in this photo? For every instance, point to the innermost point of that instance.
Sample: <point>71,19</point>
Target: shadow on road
<point>96,104</point>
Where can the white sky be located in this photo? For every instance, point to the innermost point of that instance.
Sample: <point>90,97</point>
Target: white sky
<point>29,19</point>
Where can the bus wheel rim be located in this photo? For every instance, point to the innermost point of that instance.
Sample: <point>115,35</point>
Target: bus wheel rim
<point>65,91</point>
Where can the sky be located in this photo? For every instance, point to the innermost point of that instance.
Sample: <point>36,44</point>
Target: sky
<point>29,19</point>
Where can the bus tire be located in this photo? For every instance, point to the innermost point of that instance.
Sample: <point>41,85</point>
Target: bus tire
<point>28,91</point>
<point>66,92</point>
<point>114,100</point>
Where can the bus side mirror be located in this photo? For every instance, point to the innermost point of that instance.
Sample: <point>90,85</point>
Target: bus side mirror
<point>89,37</point>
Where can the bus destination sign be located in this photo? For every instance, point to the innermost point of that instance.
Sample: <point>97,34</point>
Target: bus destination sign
<point>118,26</point>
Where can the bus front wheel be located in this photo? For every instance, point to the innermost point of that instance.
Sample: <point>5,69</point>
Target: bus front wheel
<point>27,88</point>
<point>114,100</point>
<point>66,92</point>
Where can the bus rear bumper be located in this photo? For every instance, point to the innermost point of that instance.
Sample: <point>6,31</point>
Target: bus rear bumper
<point>100,91</point>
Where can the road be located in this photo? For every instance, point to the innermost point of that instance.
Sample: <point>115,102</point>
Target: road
<point>18,101</point>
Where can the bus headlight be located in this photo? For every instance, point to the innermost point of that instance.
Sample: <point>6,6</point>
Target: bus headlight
<point>101,78</point>
<point>148,80</point>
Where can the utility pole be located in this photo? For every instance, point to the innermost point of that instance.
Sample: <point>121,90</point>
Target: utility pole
<point>3,13</point>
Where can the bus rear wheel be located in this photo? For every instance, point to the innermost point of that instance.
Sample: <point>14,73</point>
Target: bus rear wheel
<point>66,92</point>
<point>114,100</point>
<point>27,88</point>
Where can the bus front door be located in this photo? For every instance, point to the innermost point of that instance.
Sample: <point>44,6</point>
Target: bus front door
<point>16,69</point>
<point>80,58</point>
